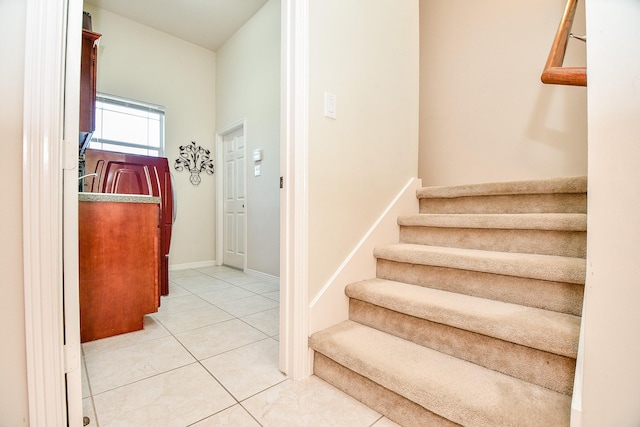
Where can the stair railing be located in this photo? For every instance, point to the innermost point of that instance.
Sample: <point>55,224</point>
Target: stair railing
<point>554,72</point>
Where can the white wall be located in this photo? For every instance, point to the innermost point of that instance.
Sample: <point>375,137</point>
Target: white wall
<point>484,114</point>
<point>13,371</point>
<point>248,87</point>
<point>141,63</point>
<point>365,52</point>
<point>611,313</point>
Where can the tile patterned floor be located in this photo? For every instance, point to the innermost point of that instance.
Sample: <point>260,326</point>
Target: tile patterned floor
<point>208,358</point>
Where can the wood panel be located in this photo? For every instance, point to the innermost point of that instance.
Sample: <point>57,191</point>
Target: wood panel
<point>118,251</point>
<point>88,75</point>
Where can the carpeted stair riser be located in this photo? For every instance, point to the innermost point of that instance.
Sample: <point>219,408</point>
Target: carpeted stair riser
<point>556,296</point>
<point>548,370</point>
<point>545,203</point>
<point>545,242</point>
<point>530,221</point>
<point>532,327</point>
<point>533,266</point>
<point>546,196</point>
<point>393,406</point>
<point>568,185</point>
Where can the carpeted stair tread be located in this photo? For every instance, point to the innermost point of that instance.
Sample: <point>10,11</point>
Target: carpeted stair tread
<point>549,186</point>
<point>460,391</point>
<point>532,327</point>
<point>531,221</point>
<point>543,267</point>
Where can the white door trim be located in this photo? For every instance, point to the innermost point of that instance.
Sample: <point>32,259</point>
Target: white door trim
<point>295,356</point>
<point>42,188</point>
<point>238,124</point>
<point>44,158</point>
<point>70,256</point>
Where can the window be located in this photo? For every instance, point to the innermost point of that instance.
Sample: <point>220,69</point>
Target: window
<point>128,126</point>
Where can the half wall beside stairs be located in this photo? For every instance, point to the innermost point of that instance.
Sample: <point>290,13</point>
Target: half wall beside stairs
<point>331,305</point>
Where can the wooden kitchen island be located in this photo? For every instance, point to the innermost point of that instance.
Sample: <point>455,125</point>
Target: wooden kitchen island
<point>118,249</point>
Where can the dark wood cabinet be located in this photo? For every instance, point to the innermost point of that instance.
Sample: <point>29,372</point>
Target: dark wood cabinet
<point>88,76</point>
<point>118,248</point>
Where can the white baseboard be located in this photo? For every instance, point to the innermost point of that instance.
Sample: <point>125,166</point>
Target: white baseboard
<point>264,276</point>
<point>576,417</point>
<point>188,265</point>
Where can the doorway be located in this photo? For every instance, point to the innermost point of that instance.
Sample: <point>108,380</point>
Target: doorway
<point>232,196</point>
<point>294,361</point>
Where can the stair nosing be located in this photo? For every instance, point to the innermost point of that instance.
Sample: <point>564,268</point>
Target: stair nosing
<point>528,221</point>
<point>534,266</point>
<point>461,311</point>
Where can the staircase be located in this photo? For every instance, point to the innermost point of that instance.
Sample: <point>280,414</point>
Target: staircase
<point>473,318</point>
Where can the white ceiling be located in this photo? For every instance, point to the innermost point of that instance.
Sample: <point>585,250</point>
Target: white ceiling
<point>207,23</point>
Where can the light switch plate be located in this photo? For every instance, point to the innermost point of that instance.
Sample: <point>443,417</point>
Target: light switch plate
<point>256,170</point>
<point>330,105</point>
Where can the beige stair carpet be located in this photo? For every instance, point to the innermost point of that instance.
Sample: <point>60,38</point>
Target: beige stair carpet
<point>473,318</point>
<point>457,390</point>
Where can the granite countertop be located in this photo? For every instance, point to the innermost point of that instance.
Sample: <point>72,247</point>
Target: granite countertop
<point>112,197</point>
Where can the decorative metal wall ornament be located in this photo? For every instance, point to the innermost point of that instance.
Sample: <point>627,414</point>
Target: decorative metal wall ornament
<point>195,159</point>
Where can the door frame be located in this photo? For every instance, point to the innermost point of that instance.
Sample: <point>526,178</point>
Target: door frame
<point>220,134</point>
<point>295,356</point>
<point>48,168</point>
<point>50,198</point>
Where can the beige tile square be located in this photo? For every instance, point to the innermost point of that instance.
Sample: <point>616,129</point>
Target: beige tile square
<point>275,295</point>
<point>227,294</point>
<point>192,319</point>
<point>267,321</point>
<point>385,422</point>
<point>111,369</point>
<point>215,339</point>
<point>227,273</point>
<point>247,370</point>
<point>89,411</point>
<point>176,291</point>
<point>86,391</point>
<point>243,279</point>
<point>244,306</point>
<point>184,303</point>
<point>174,274</point>
<point>177,398</point>
<point>261,287</point>
<point>152,330</point>
<point>216,269</point>
<point>236,416</point>
<point>201,283</point>
<point>310,403</point>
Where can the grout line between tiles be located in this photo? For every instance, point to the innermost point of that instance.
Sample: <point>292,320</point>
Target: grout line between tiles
<point>377,421</point>
<point>88,379</point>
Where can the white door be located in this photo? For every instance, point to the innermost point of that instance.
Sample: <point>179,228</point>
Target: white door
<point>234,240</point>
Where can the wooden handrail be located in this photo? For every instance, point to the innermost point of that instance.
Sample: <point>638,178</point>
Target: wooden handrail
<point>554,72</point>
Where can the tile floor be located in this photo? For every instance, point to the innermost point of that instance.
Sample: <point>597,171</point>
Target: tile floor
<point>209,357</point>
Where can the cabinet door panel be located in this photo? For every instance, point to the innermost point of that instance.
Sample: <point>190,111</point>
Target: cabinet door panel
<point>118,249</point>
